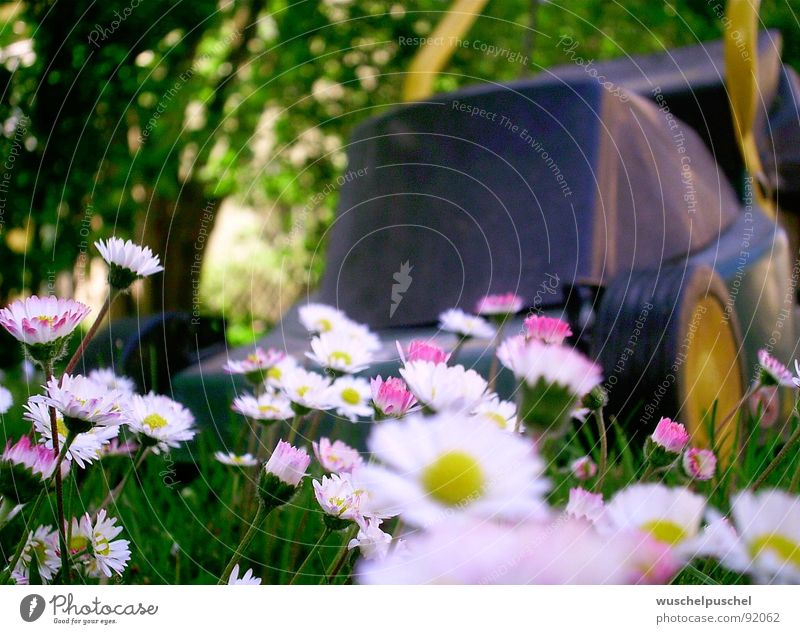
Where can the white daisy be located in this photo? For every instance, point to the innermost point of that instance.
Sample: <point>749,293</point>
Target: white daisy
<point>256,364</point>
<point>457,321</point>
<point>269,406</point>
<point>339,352</point>
<point>39,321</point>
<point>351,397</point>
<point>247,579</point>
<point>766,540</point>
<point>372,542</point>
<point>340,496</point>
<point>287,463</point>
<point>6,400</point>
<point>110,381</point>
<point>127,261</point>
<point>41,548</point>
<point>532,361</point>
<point>439,466</point>
<point>85,448</point>
<point>92,544</point>
<point>319,318</point>
<point>336,456</point>
<point>500,413</point>
<point>671,516</point>
<point>276,374</point>
<point>308,390</point>
<point>160,421</point>
<point>83,402</point>
<point>234,460</point>
<point>440,387</point>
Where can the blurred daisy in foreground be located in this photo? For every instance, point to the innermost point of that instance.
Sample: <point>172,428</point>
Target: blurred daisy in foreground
<point>111,381</point>
<point>6,400</point>
<point>503,414</point>
<point>437,466</point>
<point>160,421</point>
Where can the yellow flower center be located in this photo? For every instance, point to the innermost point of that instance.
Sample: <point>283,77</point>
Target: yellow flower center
<point>155,421</point>
<point>324,325</point>
<point>274,373</point>
<point>341,355</point>
<point>252,358</point>
<point>497,419</point>
<point>665,531</point>
<point>61,427</point>
<point>264,409</point>
<point>78,543</point>
<point>101,546</point>
<point>351,396</point>
<point>454,478</point>
<point>786,549</point>
<point>45,319</point>
<point>301,391</point>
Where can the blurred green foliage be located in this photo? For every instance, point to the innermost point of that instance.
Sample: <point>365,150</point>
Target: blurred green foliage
<point>139,118</point>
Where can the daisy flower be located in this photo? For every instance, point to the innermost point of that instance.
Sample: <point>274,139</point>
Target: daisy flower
<point>83,403</point>
<point>340,498</point>
<point>463,324</point>
<point>502,304</point>
<point>436,466</point>
<point>307,390</point>
<point>117,447</point>
<point>85,448</point>
<point>288,463</point>
<point>160,421</point>
<point>371,541</point>
<point>339,352</point>
<point>43,324</point>
<point>420,350</point>
<point>6,400</point>
<point>336,456</point>
<point>247,579</point>
<point>583,468</point>
<point>41,549</point>
<point>553,380</point>
<point>256,365</point>
<point>470,552</point>
<point>92,544</point>
<point>127,262</point>
<point>501,413</point>
<point>440,387</point>
<point>266,407</point>
<point>275,375</point>
<point>231,459</point>
<point>772,371</point>
<point>671,516</point>
<point>320,318</point>
<point>700,464</point>
<point>765,401</point>
<point>546,329</point>
<point>670,436</point>
<point>106,378</point>
<point>584,504</point>
<point>24,467</point>
<point>766,539</point>
<point>351,397</point>
<point>391,397</point>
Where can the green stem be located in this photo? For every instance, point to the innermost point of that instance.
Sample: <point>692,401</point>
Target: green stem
<point>603,449</point>
<point>454,352</point>
<point>785,450</point>
<point>310,555</point>
<point>338,562</point>
<point>293,428</point>
<point>261,513</point>
<point>6,575</point>
<point>493,368</point>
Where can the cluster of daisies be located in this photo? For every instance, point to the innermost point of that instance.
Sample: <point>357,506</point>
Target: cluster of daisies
<point>457,482</point>
<point>75,423</point>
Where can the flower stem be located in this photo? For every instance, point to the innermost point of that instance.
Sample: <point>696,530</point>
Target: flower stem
<point>454,353</point>
<point>310,555</point>
<point>785,450</point>
<point>338,562</point>
<point>293,428</point>
<point>493,368</point>
<point>91,332</point>
<point>601,424</point>
<point>261,513</point>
